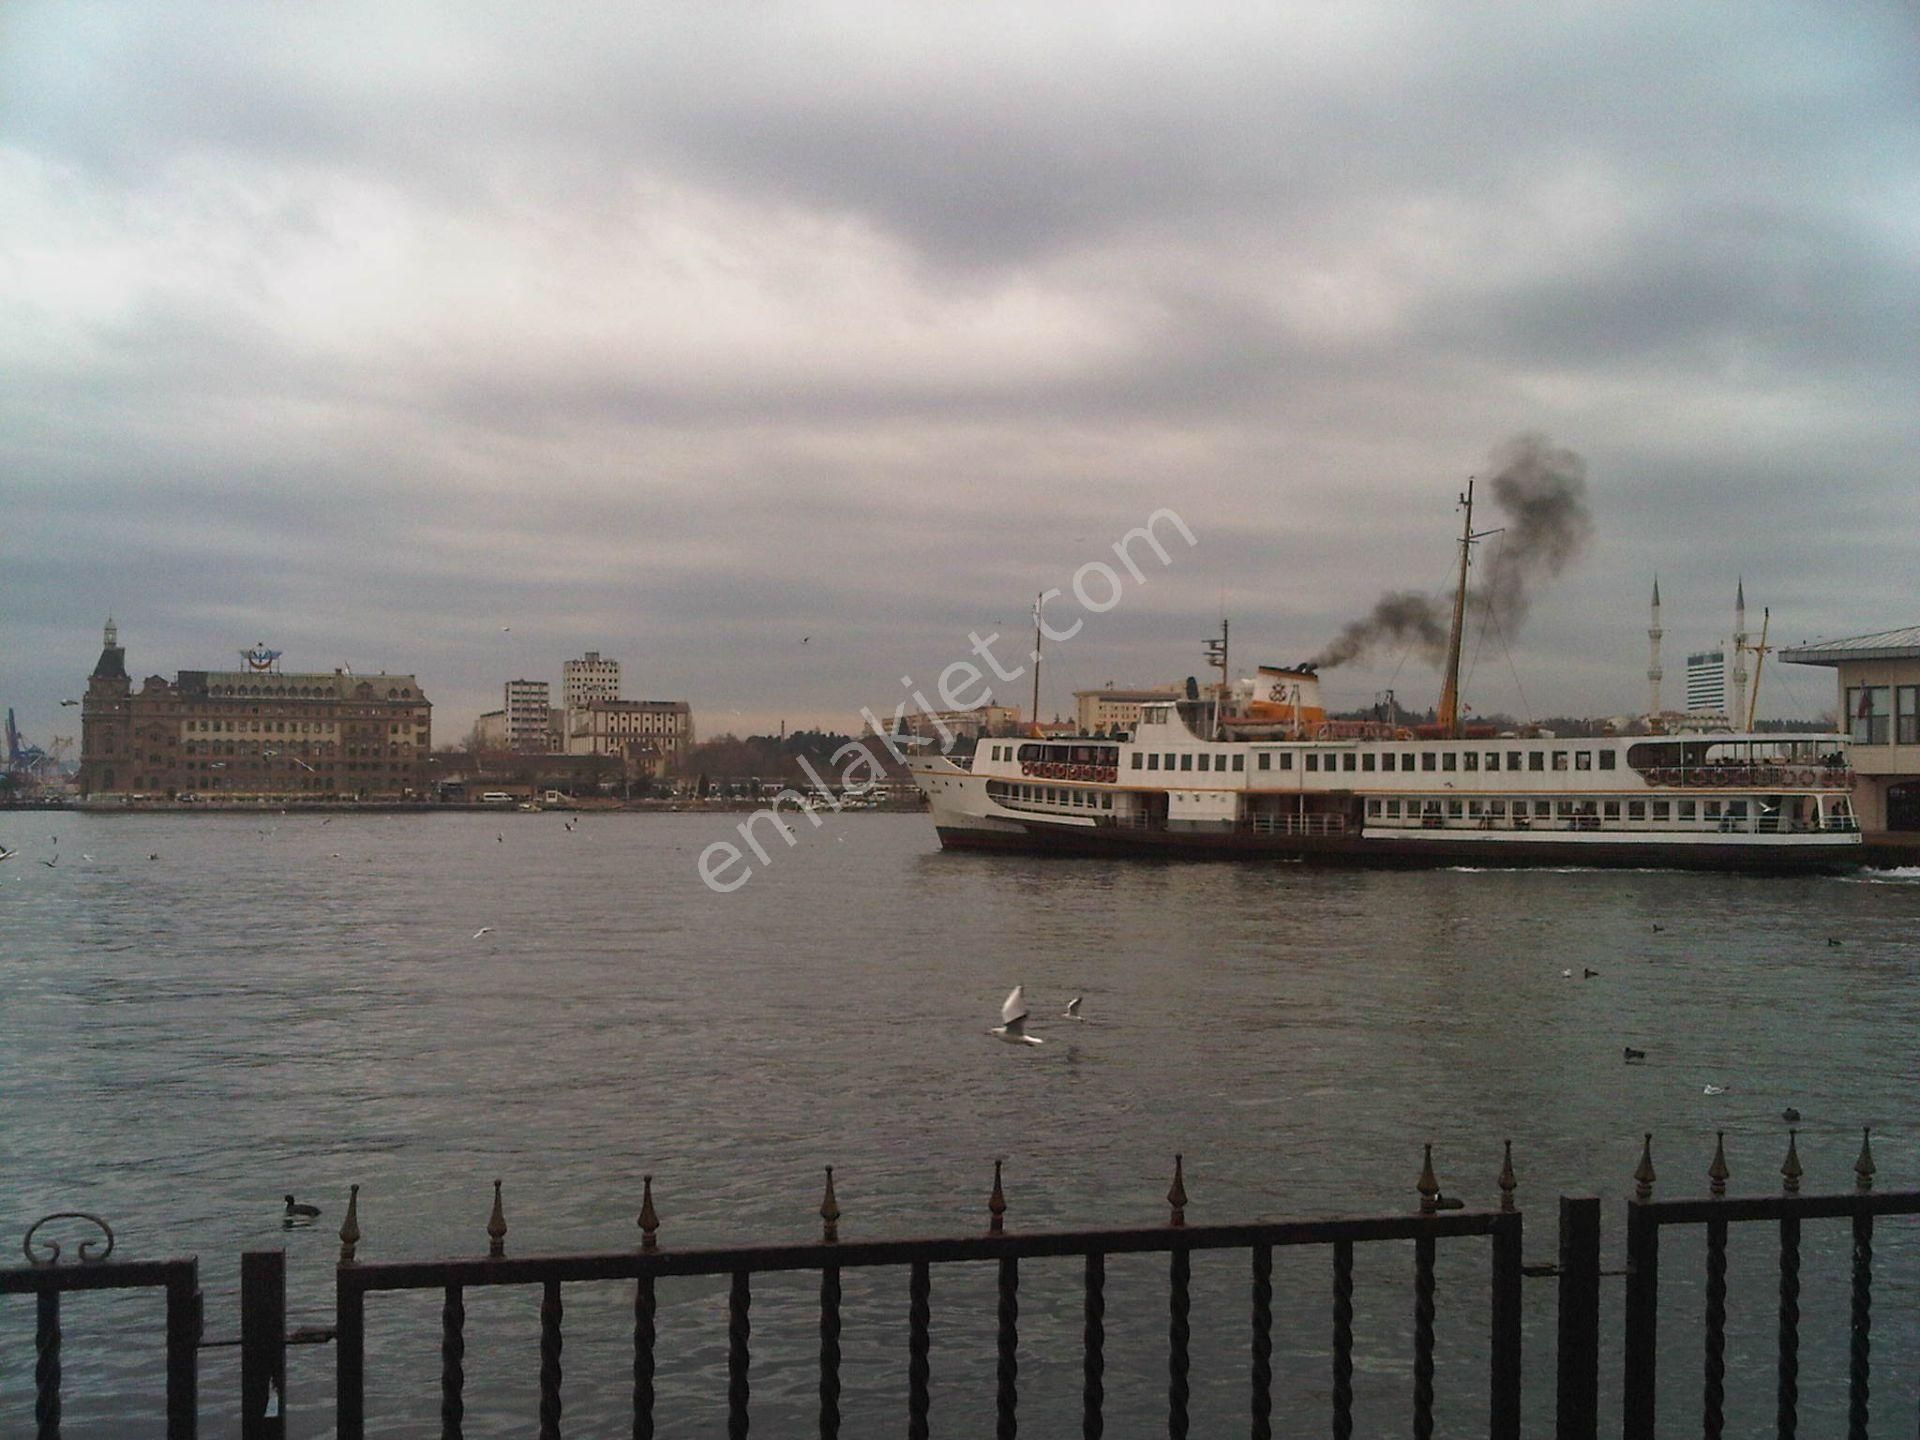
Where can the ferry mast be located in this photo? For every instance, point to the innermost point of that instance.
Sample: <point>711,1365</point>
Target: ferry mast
<point>1450,691</point>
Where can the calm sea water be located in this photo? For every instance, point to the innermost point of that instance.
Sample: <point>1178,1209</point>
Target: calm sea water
<point>200,1014</point>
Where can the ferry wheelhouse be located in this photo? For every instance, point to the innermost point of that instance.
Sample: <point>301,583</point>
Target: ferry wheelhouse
<point>1258,769</point>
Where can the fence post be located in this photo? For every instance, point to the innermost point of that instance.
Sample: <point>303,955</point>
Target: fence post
<point>183,1351</point>
<point>1577,1399</point>
<point>263,1345</point>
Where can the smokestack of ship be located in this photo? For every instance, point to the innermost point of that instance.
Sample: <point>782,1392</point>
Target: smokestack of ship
<point>1541,493</point>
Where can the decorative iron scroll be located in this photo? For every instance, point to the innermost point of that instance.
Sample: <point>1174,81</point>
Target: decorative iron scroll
<point>51,1255</point>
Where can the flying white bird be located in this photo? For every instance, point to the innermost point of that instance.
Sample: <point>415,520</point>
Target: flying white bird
<point>1714,1090</point>
<point>1072,1012</point>
<point>483,930</point>
<point>1013,1017</point>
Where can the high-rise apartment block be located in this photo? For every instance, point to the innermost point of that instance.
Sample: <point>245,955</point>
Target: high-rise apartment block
<point>589,678</point>
<point>529,723</point>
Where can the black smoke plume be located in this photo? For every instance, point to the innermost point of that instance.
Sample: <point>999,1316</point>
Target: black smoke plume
<point>1541,493</point>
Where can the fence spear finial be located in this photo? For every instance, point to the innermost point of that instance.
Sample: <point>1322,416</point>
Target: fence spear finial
<point>1790,1171</point>
<point>649,1220</point>
<point>1863,1167</point>
<point>996,1204</point>
<point>497,1226</point>
<point>1177,1194</point>
<point>1428,1187</point>
<point>829,1213</point>
<point>350,1227</point>
<point>1717,1172</point>
<point>1508,1184</point>
<point>1643,1176</point>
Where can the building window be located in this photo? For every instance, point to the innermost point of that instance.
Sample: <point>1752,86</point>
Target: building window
<point>1908,714</point>
<point>1867,706</point>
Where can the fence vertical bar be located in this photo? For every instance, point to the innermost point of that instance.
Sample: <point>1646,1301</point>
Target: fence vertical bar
<point>739,1330</point>
<point>550,1346</point>
<point>1577,1395</point>
<point>1503,1413</point>
<point>1343,1340</point>
<point>829,1352</point>
<point>350,1339</point>
<point>183,1351</point>
<point>1860,1325</point>
<point>453,1372</point>
<point>1179,1335</point>
<point>1714,1387</point>
<point>46,1364</point>
<point>1262,1342</point>
<point>1093,1390</point>
<point>1423,1257</point>
<point>1007,1379</point>
<point>1787,1413</point>
<point>919,1371</point>
<point>263,1344</point>
<point>645,1306</point>
<point>1643,1302</point>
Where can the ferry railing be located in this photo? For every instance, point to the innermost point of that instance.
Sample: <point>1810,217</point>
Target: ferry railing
<point>1646,1217</point>
<point>46,1279</point>
<point>1436,1220</point>
<point>1296,824</point>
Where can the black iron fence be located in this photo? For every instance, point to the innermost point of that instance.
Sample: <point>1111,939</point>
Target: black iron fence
<point>1577,1272</point>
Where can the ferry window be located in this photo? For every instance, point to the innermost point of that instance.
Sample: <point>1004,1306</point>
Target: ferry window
<point>1610,810</point>
<point>1153,761</point>
<point>1662,809</point>
<point>1239,762</point>
<point>1542,808</point>
<point>1373,807</point>
<point>1685,811</point>
<point>1513,760</point>
<point>1449,761</point>
<point>1386,761</point>
<point>1136,759</point>
<point>1559,759</point>
<point>1313,761</point>
<point>1636,809</point>
<point>1609,759</point>
<point>1536,760</point>
<point>1737,809</point>
<point>1393,809</point>
<point>1286,760</point>
<point>1563,807</point>
<point>1347,761</point>
<point>1169,760</point>
<point>1583,759</point>
<point>1907,728</point>
<point>1186,762</point>
<point>1266,760</point>
<point>1427,760</point>
<point>1453,809</point>
<point>1470,760</point>
<point>1497,807</point>
<point>1106,800</point>
<point>1713,810</point>
<point>1867,705</point>
<point>1366,762</point>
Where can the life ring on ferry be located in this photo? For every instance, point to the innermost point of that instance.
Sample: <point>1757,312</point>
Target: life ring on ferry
<point>1026,767</point>
<point>1111,775</point>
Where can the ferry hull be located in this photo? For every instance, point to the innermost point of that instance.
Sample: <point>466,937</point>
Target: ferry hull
<point>1392,853</point>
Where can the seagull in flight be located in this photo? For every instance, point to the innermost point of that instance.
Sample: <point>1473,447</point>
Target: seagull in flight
<point>483,930</point>
<point>51,863</point>
<point>1013,1020</point>
<point>1072,1012</point>
<point>1714,1090</point>
<point>6,854</point>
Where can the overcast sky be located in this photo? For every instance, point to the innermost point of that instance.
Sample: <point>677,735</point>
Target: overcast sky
<point>460,339</point>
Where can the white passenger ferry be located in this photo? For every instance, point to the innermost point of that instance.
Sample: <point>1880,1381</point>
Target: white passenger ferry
<point>1260,770</point>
